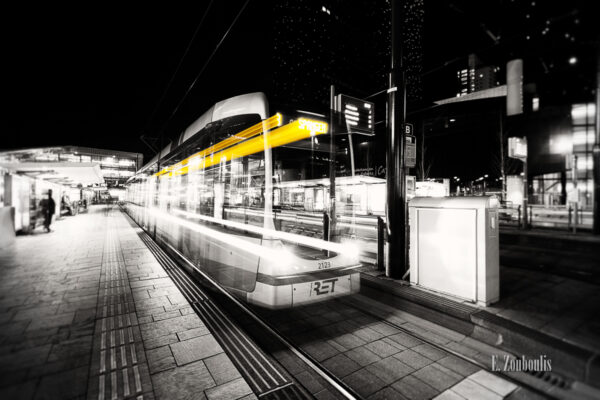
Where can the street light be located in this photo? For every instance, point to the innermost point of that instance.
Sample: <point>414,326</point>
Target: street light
<point>561,144</point>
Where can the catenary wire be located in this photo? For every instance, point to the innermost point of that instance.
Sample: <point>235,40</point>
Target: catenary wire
<point>189,89</point>
<point>164,94</point>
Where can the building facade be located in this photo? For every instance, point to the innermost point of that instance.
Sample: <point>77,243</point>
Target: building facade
<point>474,77</point>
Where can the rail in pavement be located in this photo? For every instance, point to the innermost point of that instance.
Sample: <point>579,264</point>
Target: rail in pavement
<point>553,316</point>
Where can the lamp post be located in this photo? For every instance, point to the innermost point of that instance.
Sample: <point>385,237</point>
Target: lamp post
<point>395,173</point>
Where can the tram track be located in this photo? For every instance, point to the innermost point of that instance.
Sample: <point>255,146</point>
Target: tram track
<point>540,389</point>
<point>251,360</point>
<point>537,385</point>
<point>268,378</point>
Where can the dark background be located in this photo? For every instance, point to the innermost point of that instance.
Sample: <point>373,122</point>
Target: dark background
<point>96,74</point>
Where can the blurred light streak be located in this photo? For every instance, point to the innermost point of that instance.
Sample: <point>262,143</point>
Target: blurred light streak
<point>274,234</point>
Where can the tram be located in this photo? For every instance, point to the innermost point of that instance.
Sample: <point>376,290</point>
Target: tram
<point>213,197</point>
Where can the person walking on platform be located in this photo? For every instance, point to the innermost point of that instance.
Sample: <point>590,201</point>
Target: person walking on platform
<point>48,207</point>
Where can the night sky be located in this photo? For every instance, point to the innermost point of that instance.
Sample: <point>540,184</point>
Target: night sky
<point>94,75</point>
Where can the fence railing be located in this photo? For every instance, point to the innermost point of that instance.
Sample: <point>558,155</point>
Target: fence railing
<point>565,217</point>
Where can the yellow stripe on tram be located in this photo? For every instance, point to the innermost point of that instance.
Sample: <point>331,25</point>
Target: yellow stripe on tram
<point>292,132</point>
<point>254,130</point>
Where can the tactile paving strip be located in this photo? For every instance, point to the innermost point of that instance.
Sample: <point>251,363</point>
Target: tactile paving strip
<point>119,369</point>
<point>267,379</point>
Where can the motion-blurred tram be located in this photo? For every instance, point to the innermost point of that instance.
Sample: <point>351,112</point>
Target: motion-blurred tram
<point>214,197</point>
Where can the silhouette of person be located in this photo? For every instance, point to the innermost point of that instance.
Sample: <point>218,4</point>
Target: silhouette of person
<point>48,207</point>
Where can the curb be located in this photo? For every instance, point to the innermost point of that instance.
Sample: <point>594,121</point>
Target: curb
<point>568,360</point>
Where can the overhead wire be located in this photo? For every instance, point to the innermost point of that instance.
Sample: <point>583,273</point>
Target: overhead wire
<point>164,94</point>
<point>189,89</point>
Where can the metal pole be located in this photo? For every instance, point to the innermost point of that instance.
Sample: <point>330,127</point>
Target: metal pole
<point>596,152</point>
<point>332,150</point>
<point>380,242</point>
<point>575,222</point>
<point>502,162</point>
<point>525,195</point>
<point>574,172</point>
<point>351,145</point>
<point>422,177</point>
<point>396,111</point>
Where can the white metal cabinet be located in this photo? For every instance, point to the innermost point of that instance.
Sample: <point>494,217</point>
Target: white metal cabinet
<point>454,247</point>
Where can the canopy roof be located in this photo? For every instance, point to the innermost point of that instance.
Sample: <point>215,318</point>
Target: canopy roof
<point>64,173</point>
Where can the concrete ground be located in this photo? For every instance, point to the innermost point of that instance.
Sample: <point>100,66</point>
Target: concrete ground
<point>549,302</point>
<point>379,361</point>
<point>563,308</point>
<point>87,312</point>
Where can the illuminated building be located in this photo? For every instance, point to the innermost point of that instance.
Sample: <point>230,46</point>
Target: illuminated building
<point>571,179</point>
<point>347,44</point>
<point>475,77</point>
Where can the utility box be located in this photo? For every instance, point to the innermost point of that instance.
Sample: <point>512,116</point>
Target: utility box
<point>454,247</point>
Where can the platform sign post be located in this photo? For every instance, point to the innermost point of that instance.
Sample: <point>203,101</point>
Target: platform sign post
<point>573,195</point>
<point>517,148</point>
<point>357,114</point>
<point>332,149</point>
<point>410,152</point>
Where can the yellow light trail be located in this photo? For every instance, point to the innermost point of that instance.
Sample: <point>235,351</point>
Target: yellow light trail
<point>292,132</point>
<point>254,130</point>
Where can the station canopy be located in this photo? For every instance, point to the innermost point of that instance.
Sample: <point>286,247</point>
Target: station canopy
<point>62,173</point>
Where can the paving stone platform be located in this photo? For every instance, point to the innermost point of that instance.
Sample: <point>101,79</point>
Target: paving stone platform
<point>538,313</point>
<point>87,312</point>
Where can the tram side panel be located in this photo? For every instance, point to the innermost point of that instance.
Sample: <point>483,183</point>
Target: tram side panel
<point>195,211</point>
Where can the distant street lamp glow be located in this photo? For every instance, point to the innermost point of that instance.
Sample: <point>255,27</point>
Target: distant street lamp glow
<point>561,144</point>
<point>573,60</point>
